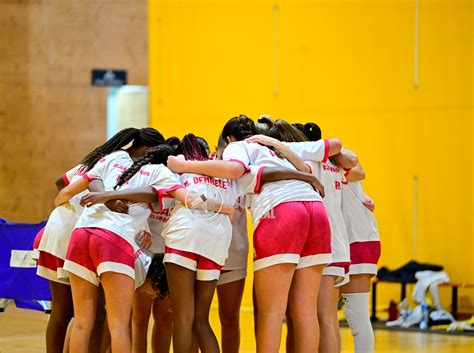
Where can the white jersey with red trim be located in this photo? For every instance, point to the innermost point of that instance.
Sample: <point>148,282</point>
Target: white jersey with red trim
<point>62,220</point>
<point>316,151</point>
<point>200,231</point>
<point>272,194</point>
<point>109,169</point>
<point>239,246</point>
<point>331,178</point>
<point>360,223</point>
<point>160,214</point>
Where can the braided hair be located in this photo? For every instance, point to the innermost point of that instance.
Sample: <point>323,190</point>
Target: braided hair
<point>155,155</point>
<point>157,274</point>
<point>240,127</point>
<point>192,149</point>
<point>140,137</point>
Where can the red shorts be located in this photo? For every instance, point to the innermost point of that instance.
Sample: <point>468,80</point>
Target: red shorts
<point>297,232</point>
<point>93,251</point>
<point>206,270</point>
<point>48,264</point>
<point>37,240</point>
<point>364,257</point>
<point>339,270</point>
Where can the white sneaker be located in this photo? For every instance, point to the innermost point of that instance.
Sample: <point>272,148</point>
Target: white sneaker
<point>414,318</point>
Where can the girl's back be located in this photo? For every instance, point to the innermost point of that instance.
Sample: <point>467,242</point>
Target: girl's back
<point>109,169</point>
<point>198,230</point>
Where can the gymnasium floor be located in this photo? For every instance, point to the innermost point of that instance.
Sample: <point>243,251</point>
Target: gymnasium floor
<point>22,331</point>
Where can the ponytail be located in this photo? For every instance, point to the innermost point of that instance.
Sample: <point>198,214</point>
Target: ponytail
<point>264,124</point>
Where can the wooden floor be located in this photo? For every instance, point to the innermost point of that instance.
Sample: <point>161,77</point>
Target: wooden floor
<point>22,331</point>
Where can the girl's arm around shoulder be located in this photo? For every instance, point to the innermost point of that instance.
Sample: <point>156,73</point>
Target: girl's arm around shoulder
<point>355,174</point>
<point>218,169</point>
<point>346,159</point>
<point>142,195</point>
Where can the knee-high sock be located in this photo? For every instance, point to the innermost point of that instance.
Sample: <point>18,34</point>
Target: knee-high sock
<point>357,316</point>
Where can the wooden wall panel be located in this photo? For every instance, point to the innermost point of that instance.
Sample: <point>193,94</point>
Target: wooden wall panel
<point>50,115</point>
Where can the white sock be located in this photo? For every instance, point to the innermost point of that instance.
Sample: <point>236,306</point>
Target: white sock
<point>357,316</point>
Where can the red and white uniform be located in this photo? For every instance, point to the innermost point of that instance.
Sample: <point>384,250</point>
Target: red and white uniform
<point>362,230</point>
<point>57,233</point>
<point>275,240</point>
<point>103,240</point>
<point>330,176</point>
<point>160,214</point>
<point>142,264</point>
<point>199,239</point>
<point>235,267</point>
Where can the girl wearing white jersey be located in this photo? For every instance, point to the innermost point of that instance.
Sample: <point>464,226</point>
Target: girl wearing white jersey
<point>197,243</point>
<point>365,252</point>
<point>337,273</point>
<point>57,233</point>
<point>101,245</point>
<point>279,210</point>
<point>179,240</point>
<point>231,283</point>
<point>143,305</point>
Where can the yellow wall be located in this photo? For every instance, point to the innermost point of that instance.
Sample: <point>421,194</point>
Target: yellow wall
<point>349,65</point>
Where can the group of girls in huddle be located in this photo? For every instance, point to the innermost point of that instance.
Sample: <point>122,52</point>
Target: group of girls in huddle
<point>163,225</point>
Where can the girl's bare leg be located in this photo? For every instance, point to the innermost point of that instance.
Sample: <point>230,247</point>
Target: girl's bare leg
<point>229,296</point>
<point>272,286</point>
<point>119,289</point>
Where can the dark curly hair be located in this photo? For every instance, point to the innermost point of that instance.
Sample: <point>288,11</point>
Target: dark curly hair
<point>157,274</point>
<point>155,155</point>
<point>140,137</point>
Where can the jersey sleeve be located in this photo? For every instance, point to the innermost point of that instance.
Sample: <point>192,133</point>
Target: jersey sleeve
<point>98,171</point>
<point>236,152</point>
<point>163,181</point>
<point>70,173</point>
<point>251,182</point>
<point>317,151</point>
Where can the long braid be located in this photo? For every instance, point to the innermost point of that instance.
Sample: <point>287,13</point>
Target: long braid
<point>156,155</point>
<point>157,274</point>
<point>134,168</point>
